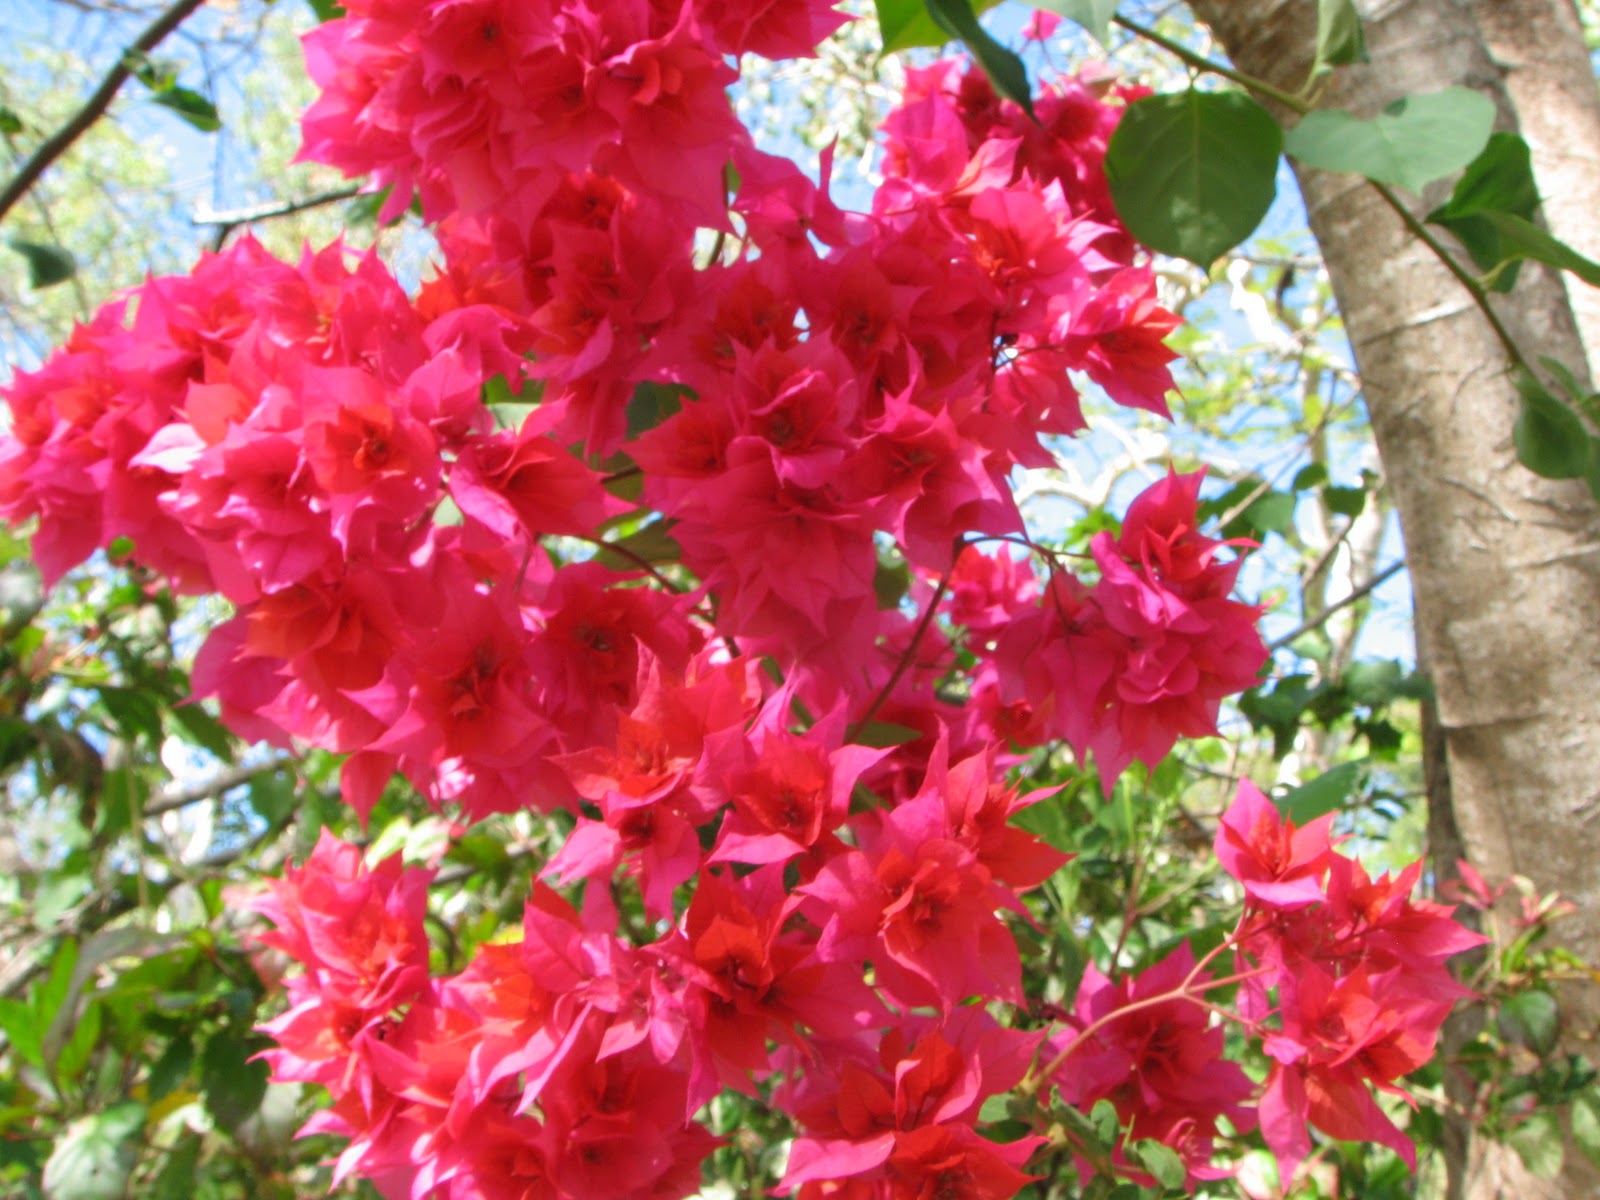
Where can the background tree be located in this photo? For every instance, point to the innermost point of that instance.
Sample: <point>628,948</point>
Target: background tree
<point>1502,562</point>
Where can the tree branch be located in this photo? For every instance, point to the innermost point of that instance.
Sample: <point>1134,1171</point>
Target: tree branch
<point>227,222</point>
<point>854,731</point>
<point>58,144</point>
<point>1370,585</point>
<point>209,789</point>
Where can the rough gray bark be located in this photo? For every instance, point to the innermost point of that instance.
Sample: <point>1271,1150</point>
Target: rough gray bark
<point>1505,566</point>
<point>1539,48</point>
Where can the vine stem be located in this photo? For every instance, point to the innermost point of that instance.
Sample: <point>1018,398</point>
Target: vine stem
<point>1202,63</point>
<point>1467,280</point>
<point>61,141</point>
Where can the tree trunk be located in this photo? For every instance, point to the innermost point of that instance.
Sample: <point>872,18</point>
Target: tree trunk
<point>1505,566</point>
<point>1539,48</point>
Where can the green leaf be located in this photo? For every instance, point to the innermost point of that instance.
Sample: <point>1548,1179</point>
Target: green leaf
<point>1271,513</point>
<point>199,728</point>
<point>134,711</point>
<point>1498,180</point>
<point>1107,1125</point>
<point>1048,819</point>
<point>94,1157</point>
<point>232,1084</point>
<point>1078,1124</point>
<point>1374,683</point>
<point>1537,1142</point>
<point>1324,794</point>
<point>1192,173</point>
<point>326,10</point>
<point>172,1068</point>
<point>994,1109</point>
<point>1346,501</point>
<point>75,1052</point>
<point>653,544</point>
<point>178,1176</point>
<point>1586,1124</point>
<point>1339,39</point>
<point>1093,15</point>
<point>1383,738</point>
<point>21,596</point>
<point>1308,477</point>
<point>652,403</point>
<point>48,998</point>
<point>1550,438</point>
<point>10,123</point>
<point>273,795</point>
<point>483,851</point>
<point>48,264</point>
<point>1533,1019</point>
<point>882,734</point>
<point>191,106</point>
<point>24,1029</point>
<point>1519,239</point>
<point>123,792</point>
<point>1004,69</point>
<point>890,583</point>
<point>1414,141</point>
<point>906,24</point>
<point>157,74</point>
<point>1162,1162</point>
<point>364,209</point>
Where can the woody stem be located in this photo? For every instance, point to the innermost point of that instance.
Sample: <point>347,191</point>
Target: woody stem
<point>905,659</point>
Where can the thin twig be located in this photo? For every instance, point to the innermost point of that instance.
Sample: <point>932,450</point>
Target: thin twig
<point>209,789</point>
<point>1370,585</point>
<point>58,144</point>
<point>227,222</point>
<point>905,659</point>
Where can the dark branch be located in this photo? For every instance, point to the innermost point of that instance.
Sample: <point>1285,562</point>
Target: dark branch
<point>58,144</point>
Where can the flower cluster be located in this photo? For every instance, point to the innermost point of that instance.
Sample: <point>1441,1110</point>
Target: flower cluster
<point>1145,1045</point>
<point>1150,650</point>
<point>1341,978</point>
<point>1357,969</point>
<point>753,441</point>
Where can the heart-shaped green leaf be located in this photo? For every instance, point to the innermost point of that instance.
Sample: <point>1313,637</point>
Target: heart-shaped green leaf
<point>1411,143</point>
<point>1192,173</point>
